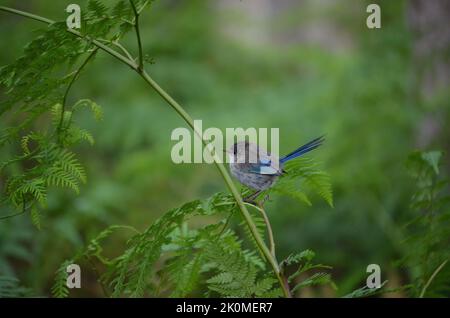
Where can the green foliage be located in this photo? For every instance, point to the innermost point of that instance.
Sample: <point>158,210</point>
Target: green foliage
<point>366,291</point>
<point>60,289</point>
<point>169,258</point>
<point>37,85</point>
<point>10,288</point>
<point>371,173</point>
<point>209,254</point>
<point>112,21</point>
<point>428,234</point>
<point>234,274</point>
<point>303,176</point>
<point>132,272</point>
<point>36,217</point>
<point>304,262</point>
<point>44,162</point>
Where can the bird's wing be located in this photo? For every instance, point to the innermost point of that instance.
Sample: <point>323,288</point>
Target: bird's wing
<point>265,170</point>
<point>265,165</point>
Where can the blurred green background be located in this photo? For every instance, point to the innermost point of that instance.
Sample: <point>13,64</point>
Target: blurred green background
<point>307,67</point>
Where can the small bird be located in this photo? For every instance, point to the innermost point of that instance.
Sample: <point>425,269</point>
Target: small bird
<point>258,169</point>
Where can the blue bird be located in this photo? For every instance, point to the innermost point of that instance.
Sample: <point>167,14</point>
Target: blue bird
<point>258,169</point>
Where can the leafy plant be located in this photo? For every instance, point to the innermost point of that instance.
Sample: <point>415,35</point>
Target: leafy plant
<point>168,251</point>
<point>302,174</point>
<point>10,287</point>
<point>170,259</point>
<point>428,233</point>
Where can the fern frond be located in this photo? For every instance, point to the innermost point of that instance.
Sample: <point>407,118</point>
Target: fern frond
<point>304,262</point>
<point>70,164</point>
<point>188,255</point>
<point>428,234</point>
<point>366,291</point>
<point>303,177</point>
<point>66,171</point>
<point>316,279</point>
<point>96,9</point>
<point>35,187</point>
<point>235,276</point>
<point>59,288</point>
<point>185,275</point>
<point>10,288</point>
<point>132,271</point>
<point>24,144</point>
<point>36,217</point>
<point>77,134</point>
<point>94,107</point>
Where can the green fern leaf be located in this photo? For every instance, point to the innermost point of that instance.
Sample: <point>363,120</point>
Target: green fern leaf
<point>94,107</point>
<point>10,288</point>
<point>303,176</point>
<point>59,288</point>
<point>36,217</point>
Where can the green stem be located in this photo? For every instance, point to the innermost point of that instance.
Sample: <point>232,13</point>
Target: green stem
<point>12,215</point>
<point>24,210</point>
<point>260,208</point>
<point>187,118</point>
<point>74,78</point>
<point>120,46</point>
<point>422,293</point>
<point>97,43</point>
<point>138,35</point>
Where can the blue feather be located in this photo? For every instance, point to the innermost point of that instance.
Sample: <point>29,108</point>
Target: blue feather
<point>303,149</point>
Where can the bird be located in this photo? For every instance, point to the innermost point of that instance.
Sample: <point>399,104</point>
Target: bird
<point>257,168</point>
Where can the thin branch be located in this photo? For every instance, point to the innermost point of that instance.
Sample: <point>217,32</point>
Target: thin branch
<point>74,78</point>
<point>102,285</point>
<point>424,289</point>
<point>24,210</point>
<point>187,118</point>
<point>96,42</point>
<point>138,35</point>
<point>27,15</point>
<point>20,158</point>
<point>260,208</point>
<point>12,215</point>
<point>143,6</point>
<point>227,221</point>
<point>120,46</point>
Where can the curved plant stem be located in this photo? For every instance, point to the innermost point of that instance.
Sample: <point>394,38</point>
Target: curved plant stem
<point>12,215</point>
<point>74,78</point>
<point>120,46</point>
<point>138,35</point>
<point>260,208</point>
<point>424,289</point>
<point>187,118</point>
<point>24,210</point>
<point>96,42</point>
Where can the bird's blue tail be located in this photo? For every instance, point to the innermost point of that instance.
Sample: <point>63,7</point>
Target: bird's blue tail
<point>313,144</point>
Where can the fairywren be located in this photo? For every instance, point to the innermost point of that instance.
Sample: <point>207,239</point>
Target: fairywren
<point>258,169</point>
